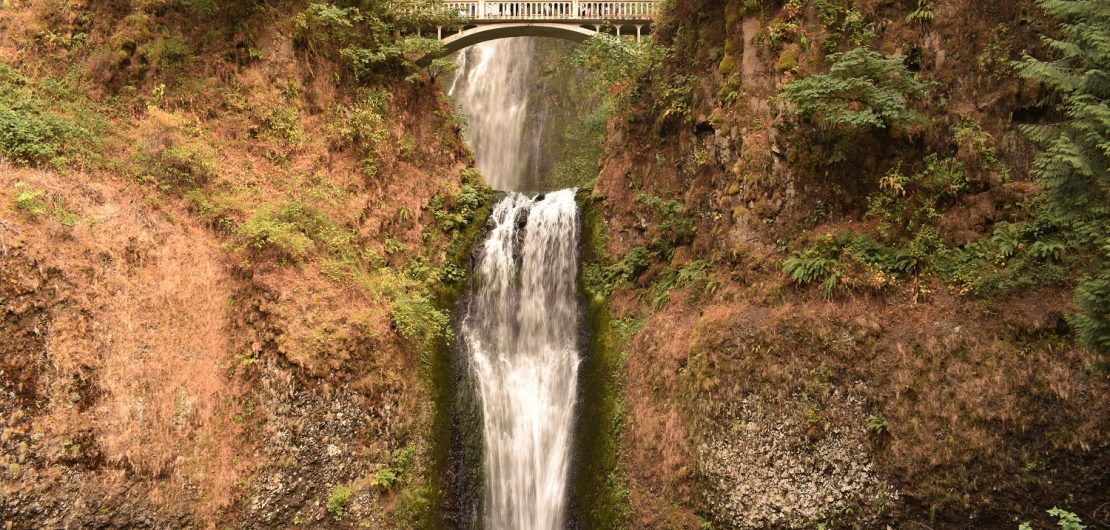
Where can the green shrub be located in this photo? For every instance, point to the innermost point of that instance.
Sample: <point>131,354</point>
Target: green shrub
<point>363,124</point>
<point>293,230</point>
<point>388,476</point>
<point>369,37</point>
<point>921,15</point>
<point>809,266</point>
<point>413,506</point>
<point>418,319</point>
<point>877,425</point>
<point>33,131</point>
<point>339,499</point>
<point>1014,256</point>
<point>184,164</point>
<point>600,281</point>
<point>267,229</point>
<point>36,203</point>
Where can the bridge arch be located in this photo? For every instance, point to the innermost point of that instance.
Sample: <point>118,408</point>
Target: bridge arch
<point>487,32</point>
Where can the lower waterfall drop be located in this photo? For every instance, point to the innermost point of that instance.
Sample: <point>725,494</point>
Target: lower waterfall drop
<point>521,332</point>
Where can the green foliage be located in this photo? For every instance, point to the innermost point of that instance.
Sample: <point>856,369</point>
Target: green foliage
<point>40,125</point>
<point>292,229</point>
<point>418,319</point>
<point>674,226</point>
<point>877,425</point>
<point>338,500</point>
<point>182,165</point>
<point>29,200</point>
<point>366,34</point>
<point>413,506</point>
<point>1074,167</point>
<point>905,204</point>
<point>863,90</point>
<point>1064,519</point>
<point>844,22</point>
<point>1016,255</point>
<point>35,203</point>
<point>970,136</point>
<point>284,123</point>
<point>363,124</point>
<point>388,476</point>
<point>853,260</point>
<point>601,73</point>
<point>458,211</point>
<point>693,274</point>
<point>597,479</point>
<point>610,61</point>
<point>600,281</point>
<point>921,15</point>
<point>673,97</point>
<point>811,266</point>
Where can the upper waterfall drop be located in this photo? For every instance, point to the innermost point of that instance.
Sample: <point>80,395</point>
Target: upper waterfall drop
<point>491,90</point>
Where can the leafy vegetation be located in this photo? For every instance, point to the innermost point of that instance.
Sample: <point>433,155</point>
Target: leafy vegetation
<point>1065,520</point>
<point>675,227</point>
<point>597,478</point>
<point>905,204</point>
<point>34,203</point>
<point>1074,167</point>
<point>363,124</point>
<point>877,425</point>
<point>292,229</point>
<point>604,70</point>
<point>863,90</point>
<point>43,123</point>
<point>852,260</point>
<point>419,319</point>
<point>389,475</point>
<point>368,36</point>
<point>338,500</point>
<point>693,274</point>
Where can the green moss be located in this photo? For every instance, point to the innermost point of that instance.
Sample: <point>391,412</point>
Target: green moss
<point>598,485</point>
<point>788,60</point>
<point>420,505</point>
<point>728,65</point>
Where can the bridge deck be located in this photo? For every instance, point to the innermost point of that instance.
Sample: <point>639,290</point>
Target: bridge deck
<point>569,11</point>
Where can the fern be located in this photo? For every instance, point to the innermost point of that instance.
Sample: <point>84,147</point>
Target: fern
<point>921,15</point>
<point>1074,166</point>
<point>863,90</point>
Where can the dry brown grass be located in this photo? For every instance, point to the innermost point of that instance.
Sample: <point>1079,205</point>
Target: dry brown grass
<point>144,317</point>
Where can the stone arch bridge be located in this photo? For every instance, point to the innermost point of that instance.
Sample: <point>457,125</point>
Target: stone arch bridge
<point>575,20</point>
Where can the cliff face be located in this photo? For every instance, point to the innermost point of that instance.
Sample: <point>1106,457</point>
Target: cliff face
<point>879,397</point>
<point>227,270</point>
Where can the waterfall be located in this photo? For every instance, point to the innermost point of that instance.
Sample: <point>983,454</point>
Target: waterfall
<point>492,92</point>
<point>521,331</point>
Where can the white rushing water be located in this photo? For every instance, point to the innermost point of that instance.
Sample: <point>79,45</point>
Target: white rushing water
<point>491,90</point>
<point>521,331</point>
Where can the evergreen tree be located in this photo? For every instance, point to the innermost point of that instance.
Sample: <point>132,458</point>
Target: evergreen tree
<point>1073,168</point>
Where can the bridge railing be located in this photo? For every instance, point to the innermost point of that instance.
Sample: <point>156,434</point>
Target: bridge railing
<point>564,10</point>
